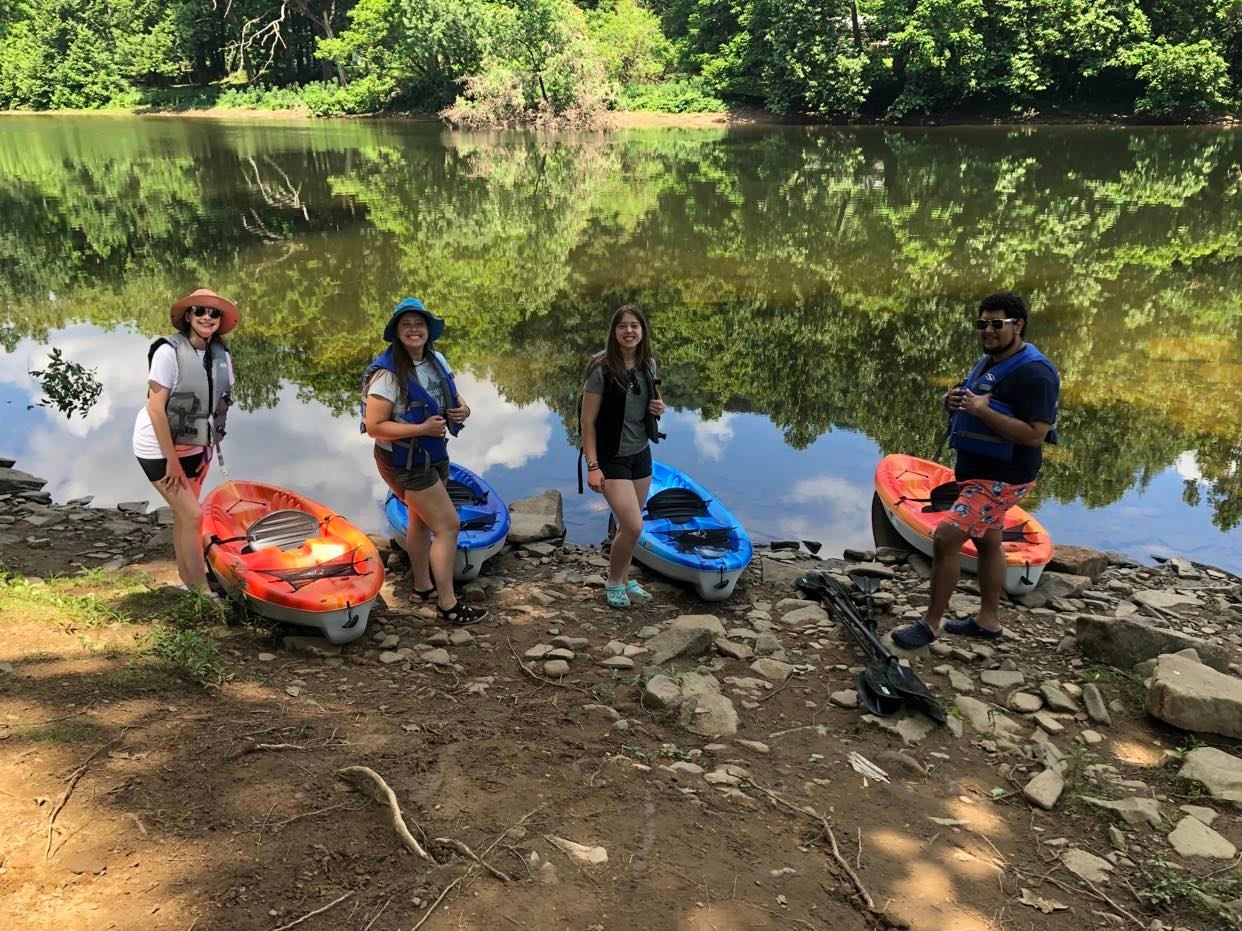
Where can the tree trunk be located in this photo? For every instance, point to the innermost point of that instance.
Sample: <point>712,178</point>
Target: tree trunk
<point>858,40</point>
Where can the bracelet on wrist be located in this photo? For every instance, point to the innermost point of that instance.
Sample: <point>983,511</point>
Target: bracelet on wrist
<point>592,463</point>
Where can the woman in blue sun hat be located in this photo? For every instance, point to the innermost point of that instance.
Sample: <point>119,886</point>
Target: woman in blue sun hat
<point>410,407</point>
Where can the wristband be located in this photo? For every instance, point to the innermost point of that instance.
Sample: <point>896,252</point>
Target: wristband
<point>592,463</point>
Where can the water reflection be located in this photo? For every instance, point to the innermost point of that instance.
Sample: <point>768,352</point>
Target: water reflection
<point>810,293</point>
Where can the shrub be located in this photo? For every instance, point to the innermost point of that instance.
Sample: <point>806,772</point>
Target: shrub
<point>1189,79</point>
<point>676,95</point>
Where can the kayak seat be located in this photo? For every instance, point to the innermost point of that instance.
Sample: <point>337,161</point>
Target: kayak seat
<point>461,493</point>
<point>285,529</point>
<point>688,540</point>
<point>676,504</point>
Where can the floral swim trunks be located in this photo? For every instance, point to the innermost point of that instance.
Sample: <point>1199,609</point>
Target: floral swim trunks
<point>981,505</point>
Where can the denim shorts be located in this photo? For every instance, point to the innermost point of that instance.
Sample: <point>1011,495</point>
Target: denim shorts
<point>632,467</point>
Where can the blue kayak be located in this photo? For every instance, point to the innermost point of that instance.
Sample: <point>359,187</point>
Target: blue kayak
<point>484,521</point>
<point>690,536</point>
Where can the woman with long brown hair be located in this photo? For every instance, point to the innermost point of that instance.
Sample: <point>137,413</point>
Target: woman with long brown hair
<point>620,406</point>
<point>410,408</point>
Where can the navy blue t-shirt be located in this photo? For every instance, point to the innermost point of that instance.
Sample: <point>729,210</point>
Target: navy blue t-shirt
<point>1032,390</point>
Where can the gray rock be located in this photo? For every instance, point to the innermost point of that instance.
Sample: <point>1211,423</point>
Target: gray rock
<point>1204,814</point>
<point>960,682</point>
<point>661,693</point>
<point>1165,600</point>
<point>772,669</point>
<point>1044,791</point>
<point>1078,560</point>
<point>555,668</point>
<point>459,637</point>
<point>539,518</point>
<point>733,650</point>
<point>618,662</point>
<point>806,615</point>
<point>1086,865</point>
<point>711,716</point>
<point>689,635</point>
<point>13,481</point>
<point>1124,642</point>
<point>388,657</point>
<point>1056,699</point>
<point>1002,678</point>
<point>1193,838</point>
<point>1053,586</point>
<point>1025,702</point>
<point>1048,722</point>
<point>1097,708</point>
<point>911,727</point>
<point>1133,811</point>
<point>133,507</point>
<point>389,642</point>
<point>985,719</point>
<point>846,698</point>
<point>1195,697</point>
<point>437,657</point>
<point>571,643</point>
<point>1218,771</point>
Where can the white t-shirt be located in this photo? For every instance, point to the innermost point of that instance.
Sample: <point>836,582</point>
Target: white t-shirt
<point>384,385</point>
<point>163,372</point>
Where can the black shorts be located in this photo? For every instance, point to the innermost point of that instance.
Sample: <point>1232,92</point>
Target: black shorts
<point>402,480</point>
<point>156,469</point>
<point>632,467</point>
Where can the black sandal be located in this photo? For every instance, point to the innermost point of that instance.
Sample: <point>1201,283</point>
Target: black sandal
<point>461,614</point>
<point>425,595</point>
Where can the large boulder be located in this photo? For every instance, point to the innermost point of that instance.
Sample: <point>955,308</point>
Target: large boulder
<point>1218,771</point>
<point>1053,585</point>
<point>1078,560</point>
<point>539,518</point>
<point>13,481</point>
<point>688,635</point>
<point>1195,697</point>
<point>1124,642</point>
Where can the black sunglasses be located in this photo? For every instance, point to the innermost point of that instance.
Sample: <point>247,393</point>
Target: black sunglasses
<point>211,312</point>
<point>634,382</point>
<point>982,325</point>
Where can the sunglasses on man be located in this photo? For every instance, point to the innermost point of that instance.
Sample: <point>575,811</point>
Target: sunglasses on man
<point>211,312</point>
<point>982,325</point>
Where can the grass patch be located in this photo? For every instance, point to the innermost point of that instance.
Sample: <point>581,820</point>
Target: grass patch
<point>192,655</point>
<point>145,677</point>
<point>1128,685</point>
<point>67,732</point>
<point>87,610</point>
<point>1166,887</point>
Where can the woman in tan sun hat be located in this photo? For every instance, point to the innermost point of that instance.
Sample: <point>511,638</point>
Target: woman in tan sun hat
<point>188,397</point>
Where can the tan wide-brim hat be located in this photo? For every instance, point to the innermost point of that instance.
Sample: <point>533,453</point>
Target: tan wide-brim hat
<point>205,297</point>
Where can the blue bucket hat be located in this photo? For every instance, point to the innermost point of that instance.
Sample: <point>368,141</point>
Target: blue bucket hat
<point>435,325</point>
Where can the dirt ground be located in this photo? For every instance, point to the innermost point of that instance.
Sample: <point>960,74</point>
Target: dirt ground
<point>133,798</point>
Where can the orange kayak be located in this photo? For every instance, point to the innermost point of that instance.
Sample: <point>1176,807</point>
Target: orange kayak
<point>291,559</point>
<point>903,490</point>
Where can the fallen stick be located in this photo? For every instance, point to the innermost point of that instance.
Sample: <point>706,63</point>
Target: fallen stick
<point>830,837</point>
<point>467,852</point>
<point>543,679</point>
<point>318,911</point>
<point>435,904</point>
<point>73,781</point>
<point>369,781</point>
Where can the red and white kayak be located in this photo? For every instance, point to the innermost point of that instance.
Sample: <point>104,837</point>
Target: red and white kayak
<point>903,490</point>
<point>291,559</point>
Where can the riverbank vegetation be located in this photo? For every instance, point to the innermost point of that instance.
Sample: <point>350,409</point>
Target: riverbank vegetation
<point>502,62</point>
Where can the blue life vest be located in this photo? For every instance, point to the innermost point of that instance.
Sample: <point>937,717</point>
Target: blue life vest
<point>415,450</point>
<point>970,434</point>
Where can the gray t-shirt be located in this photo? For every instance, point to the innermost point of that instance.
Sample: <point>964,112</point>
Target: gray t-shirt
<point>384,385</point>
<point>634,430</point>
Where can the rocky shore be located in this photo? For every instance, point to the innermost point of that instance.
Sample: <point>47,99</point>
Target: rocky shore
<point>1094,749</point>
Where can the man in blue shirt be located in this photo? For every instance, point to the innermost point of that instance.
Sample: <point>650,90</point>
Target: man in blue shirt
<point>1002,415</point>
